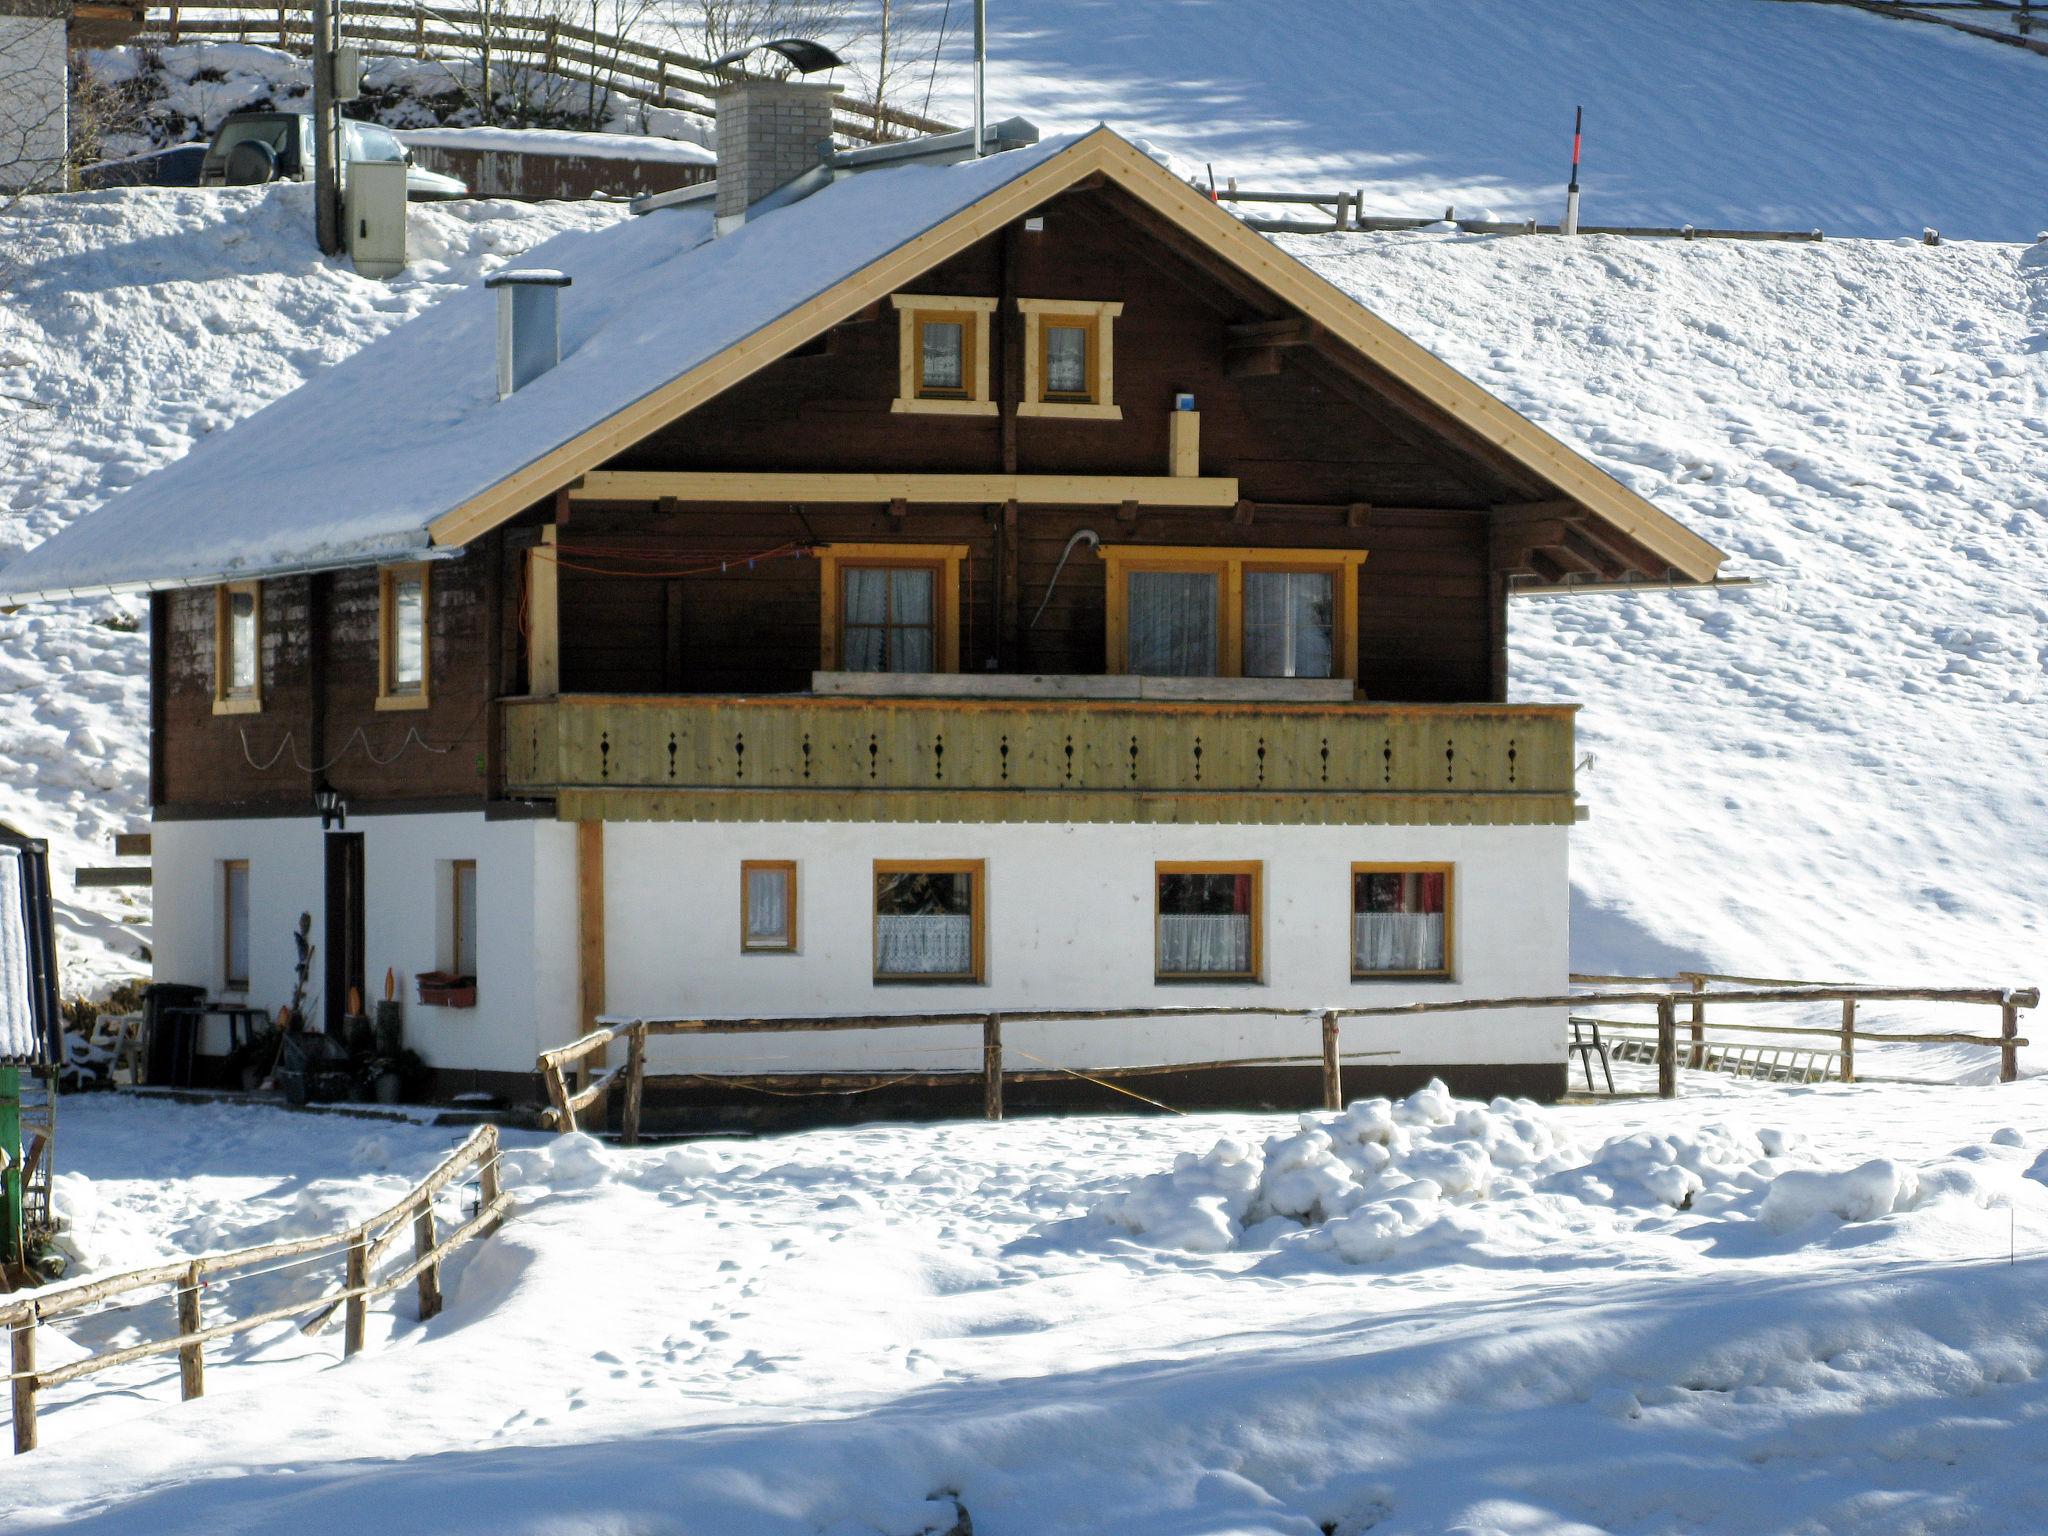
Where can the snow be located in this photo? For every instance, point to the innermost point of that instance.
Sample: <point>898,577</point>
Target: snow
<point>842,1331</point>
<point>560,141</point>
<point>138,323</point>
<point>422,413</point>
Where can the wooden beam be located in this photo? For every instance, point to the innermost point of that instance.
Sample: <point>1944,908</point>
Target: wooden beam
<point>1358,515</point>
<point>543,628</point>
<point>883,487</point>
<point>131,845</point>
<point>1241,514</point>
<point>1290,331</point>
<point>1251,363</point>
<point>589,929</point>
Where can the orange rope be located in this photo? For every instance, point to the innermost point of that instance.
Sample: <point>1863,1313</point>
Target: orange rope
<point>714,564</point>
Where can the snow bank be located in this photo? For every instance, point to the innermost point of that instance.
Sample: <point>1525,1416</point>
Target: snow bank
<point>1428,1174</point>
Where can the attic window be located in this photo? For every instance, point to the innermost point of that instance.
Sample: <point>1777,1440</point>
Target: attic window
<point>1069,359</point>
<point>943,368</point>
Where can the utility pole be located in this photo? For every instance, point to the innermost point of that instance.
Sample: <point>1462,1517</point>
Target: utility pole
<point>326,127</point>
<point>980,73</point>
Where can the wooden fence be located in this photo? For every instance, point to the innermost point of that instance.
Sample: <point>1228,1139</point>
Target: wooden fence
<point>1661,993</point>
<point>1335,211</point>
<point>602,61</point>
<point>361,1248</point>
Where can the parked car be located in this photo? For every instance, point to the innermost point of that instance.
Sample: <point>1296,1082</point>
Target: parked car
<point>255,147</point>
<point>177,166</point>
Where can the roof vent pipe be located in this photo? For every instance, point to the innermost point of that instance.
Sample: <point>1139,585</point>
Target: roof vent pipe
<point>529,325</point>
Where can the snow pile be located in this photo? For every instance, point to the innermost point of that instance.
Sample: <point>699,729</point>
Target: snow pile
<point>137,323</point>
<point>1430,1173</point>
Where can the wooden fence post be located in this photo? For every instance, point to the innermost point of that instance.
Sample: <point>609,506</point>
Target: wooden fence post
<point>423,1241</point>
<point>174,26</point>
<point>992,1066</point>
<point>636,1077</point>
<point>357,1312</point>
<point>1667,1047</point>
<point>487,1178</point>
<point>419,34</point>
<point>1698,1058</point>
<point>2008,1053</point>
<point>1333,1068</point>
<point>283,36</point>
<point>558,1093</point>
<point>1848,1039</point>
<point>191,1357</point>
<point>23,1356</point>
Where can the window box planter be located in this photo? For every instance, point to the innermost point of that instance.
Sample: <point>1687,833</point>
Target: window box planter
<point>444,989</point>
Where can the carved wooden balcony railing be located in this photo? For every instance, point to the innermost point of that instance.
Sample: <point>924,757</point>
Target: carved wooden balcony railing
<point>806,757</point>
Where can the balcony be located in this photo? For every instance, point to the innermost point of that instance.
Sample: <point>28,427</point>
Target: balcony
<point>1066,750</point>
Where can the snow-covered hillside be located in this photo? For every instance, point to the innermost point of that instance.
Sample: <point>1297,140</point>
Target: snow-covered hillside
<point>134,324</point>
<point>1835,772</point>
<point>1732,1314</point>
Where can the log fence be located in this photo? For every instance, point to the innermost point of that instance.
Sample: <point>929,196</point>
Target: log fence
<point>1665,995</point>
<point>362,1247</point>
<point>585,56</point>
<point>1343,211</point>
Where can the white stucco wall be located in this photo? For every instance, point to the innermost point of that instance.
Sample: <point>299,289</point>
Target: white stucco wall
<point>33,95</point>
<point>526,895</point>
<point>1069,924</point>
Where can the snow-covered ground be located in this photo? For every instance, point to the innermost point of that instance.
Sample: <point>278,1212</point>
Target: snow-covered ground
<point>135,323</point>
<point>1742,1312</point>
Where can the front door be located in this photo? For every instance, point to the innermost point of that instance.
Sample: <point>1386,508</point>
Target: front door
<point>344,925</point>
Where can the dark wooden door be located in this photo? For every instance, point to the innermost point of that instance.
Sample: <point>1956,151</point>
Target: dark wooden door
<point>344,924</point>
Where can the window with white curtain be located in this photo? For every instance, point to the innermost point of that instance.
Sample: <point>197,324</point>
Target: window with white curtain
<point>238,639</point>
<point>928,921</point>
<point>1289,623</point>
<point>1401,920</point>
<point>889,618</point>
<point>1172,619</point>
<point>1208,922</point>
<point>402,637</point>
<point>768,906</point>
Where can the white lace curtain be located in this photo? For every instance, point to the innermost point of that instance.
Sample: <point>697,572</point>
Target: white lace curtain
<point>17,1018</point>
<point>887,620</point>
<point>1205,943</point>
<point>1398,941</point>
<point>1288,621</point>
<point>767,905</point>
<point>939,944</point>
<point>1171,623</point>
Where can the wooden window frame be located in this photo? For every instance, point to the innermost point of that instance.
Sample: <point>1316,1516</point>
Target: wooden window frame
<point>1229,565</point>
<point>1256,868</point>
<point>943,560</point>
<point>455,869</point>
<point>977,913</point>
<point>229,982</point>
<point>388,578</point>
<point>787,944</point>
<point>227,700</point>
<point>914,311</point>
<point>1449,970</point>
<point>1096,316</point>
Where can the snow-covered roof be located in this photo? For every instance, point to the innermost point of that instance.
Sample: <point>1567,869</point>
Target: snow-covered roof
<point>406,446</point>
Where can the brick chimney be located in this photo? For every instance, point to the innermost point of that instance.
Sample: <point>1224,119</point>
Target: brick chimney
<point>768,135</point>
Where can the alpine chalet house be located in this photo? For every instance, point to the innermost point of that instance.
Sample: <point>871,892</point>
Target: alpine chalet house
<point>914,583</point>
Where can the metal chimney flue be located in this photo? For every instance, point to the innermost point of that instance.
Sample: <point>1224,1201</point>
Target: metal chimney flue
<point>529,324</point>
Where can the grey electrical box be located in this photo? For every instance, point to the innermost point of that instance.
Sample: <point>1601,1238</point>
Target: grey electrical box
<point>376,216</point>
<point>348,72</point>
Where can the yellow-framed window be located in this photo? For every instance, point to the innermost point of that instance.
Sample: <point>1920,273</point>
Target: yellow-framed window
<point>768,906</point>
<point>234,925</point>
<point>404,635</point>
<point>944,342</point>
<point>1175,611</point>
<point>1208,921</point>
<point>931,920</point>
<point>1070,358</point>
<point>1402,921</point>
<point>890,607</point>
<point>238,648</point>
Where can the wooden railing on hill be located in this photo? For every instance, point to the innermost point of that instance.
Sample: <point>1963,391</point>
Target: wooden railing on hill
<point>361,1246</point>
<point>603,61</point>
<point>566,1103</point>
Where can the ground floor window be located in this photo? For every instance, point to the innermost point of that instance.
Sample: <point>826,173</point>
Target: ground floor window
<point>234,925</point>
<point>1208,922</point>
<point>462,917</point>
<point>1400,920</point>
<point>929,918</point>
<point>768,906</point>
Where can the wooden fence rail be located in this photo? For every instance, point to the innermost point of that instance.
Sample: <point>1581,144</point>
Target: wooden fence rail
<point>362,1246</point>
<point>660,77</point>
<point>564,1105</point>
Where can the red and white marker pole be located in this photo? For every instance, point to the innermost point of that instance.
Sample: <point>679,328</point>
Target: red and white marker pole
<point>1571,193</point>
